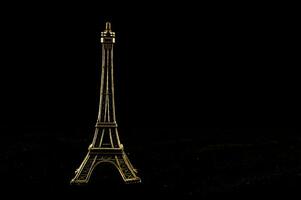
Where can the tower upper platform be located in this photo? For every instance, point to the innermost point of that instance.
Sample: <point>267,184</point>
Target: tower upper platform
<point>108,36</point>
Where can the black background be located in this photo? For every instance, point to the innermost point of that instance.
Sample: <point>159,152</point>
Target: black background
<point>184,77</point>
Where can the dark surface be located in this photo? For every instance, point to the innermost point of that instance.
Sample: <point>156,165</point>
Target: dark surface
<point>176,74</point>
<point>220,165</point>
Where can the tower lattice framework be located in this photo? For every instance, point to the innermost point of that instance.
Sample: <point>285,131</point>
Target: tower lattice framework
<point>106,146</point>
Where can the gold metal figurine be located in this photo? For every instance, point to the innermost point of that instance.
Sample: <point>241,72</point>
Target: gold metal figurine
<point>106,146</point>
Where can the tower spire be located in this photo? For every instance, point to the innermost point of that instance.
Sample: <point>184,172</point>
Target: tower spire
<point>108,26</point>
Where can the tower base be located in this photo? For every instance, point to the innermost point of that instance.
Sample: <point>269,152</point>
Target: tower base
<point>115,156</point>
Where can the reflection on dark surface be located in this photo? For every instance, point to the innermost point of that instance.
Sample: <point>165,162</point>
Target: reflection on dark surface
<point>219,162</point>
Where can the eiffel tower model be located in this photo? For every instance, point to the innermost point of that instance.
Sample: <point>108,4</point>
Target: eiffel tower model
<point>106,146</point>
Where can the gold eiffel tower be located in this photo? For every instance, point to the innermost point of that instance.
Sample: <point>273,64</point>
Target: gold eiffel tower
<point>106,146</point>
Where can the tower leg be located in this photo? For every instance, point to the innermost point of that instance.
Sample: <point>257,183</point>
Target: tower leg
<point>82,174</point>
<point>127,171</point>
